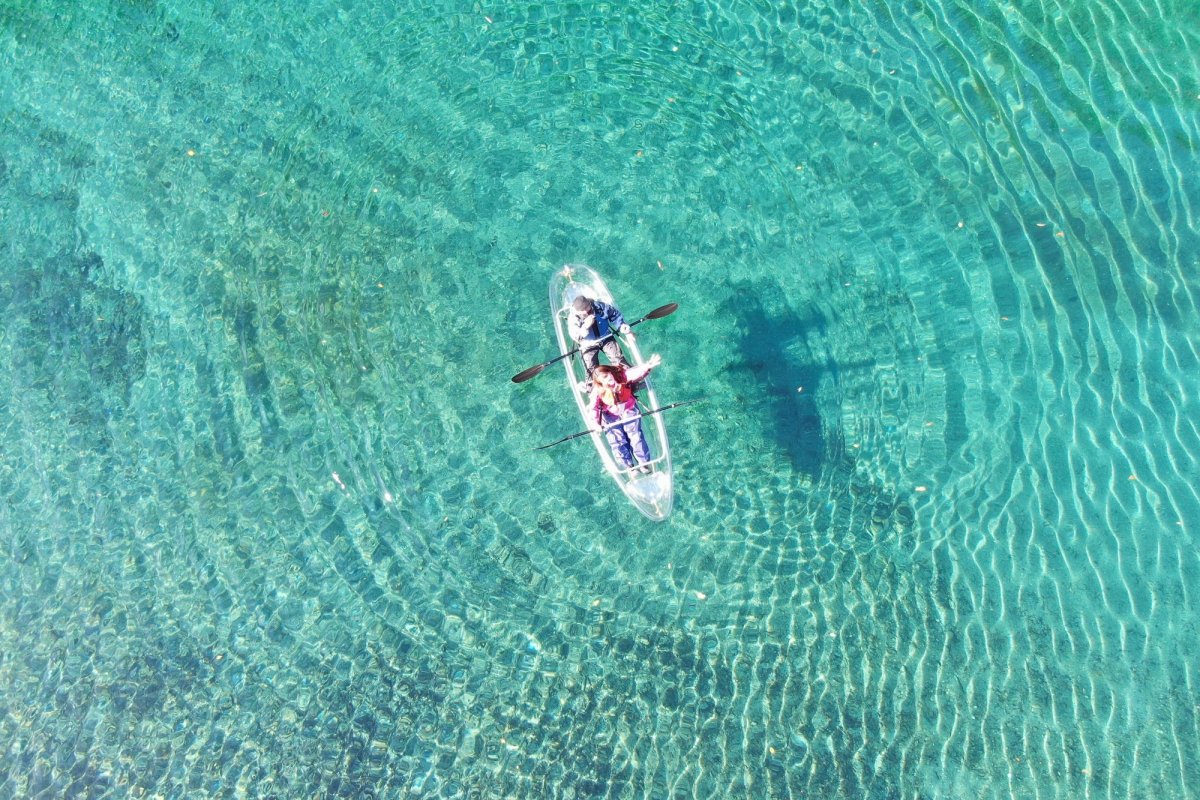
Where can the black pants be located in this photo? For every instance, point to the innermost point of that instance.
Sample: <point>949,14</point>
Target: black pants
<point>591,357</point>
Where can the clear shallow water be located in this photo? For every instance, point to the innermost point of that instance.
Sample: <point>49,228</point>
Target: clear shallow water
<point>270,519</point>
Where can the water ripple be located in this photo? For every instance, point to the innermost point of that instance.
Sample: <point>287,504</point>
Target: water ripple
<point>276,522</point>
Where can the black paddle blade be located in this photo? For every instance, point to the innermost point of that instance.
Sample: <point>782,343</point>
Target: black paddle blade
<point>525,375</point>
<point>662,311</point>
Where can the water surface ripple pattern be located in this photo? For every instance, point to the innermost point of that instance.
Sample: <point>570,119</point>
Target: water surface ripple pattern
<point>270,518</point>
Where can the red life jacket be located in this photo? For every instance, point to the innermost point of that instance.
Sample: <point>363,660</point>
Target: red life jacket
<point>624,400</point>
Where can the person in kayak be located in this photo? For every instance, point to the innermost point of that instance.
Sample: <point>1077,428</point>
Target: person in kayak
<point>593,325</point>
<point>613,404</point>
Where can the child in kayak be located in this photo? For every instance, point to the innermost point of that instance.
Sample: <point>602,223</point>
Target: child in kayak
<point>593,324</point>
<point>613,404</point>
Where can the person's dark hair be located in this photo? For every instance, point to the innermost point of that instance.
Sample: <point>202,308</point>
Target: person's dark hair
<point>583,304</point>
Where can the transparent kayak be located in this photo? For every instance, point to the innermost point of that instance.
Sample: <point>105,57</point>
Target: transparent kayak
<point>652,493</point>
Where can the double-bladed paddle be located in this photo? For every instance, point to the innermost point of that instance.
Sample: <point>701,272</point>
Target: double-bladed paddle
<point>622,422</point>
<point>658,313</point>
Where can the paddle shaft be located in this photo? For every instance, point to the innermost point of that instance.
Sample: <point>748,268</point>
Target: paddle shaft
<point>598,343</point>
<point>525,375</point>
<point>619,423</point>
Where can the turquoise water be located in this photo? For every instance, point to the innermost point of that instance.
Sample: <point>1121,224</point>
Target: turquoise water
<point>270,517</point>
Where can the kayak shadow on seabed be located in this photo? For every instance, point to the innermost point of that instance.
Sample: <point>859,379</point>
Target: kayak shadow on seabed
<point>775,361</point>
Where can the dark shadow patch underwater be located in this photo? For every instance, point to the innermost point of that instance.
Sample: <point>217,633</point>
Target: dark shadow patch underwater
<point>778,373</point>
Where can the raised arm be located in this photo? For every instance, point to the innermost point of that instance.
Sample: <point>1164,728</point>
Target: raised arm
<point>633,374</point>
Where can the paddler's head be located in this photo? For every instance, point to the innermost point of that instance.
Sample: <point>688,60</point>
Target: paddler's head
<point>583,305</point>
<point>607,377</point>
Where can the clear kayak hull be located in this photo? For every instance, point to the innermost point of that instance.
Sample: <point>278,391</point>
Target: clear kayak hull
<point>652,494</point>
